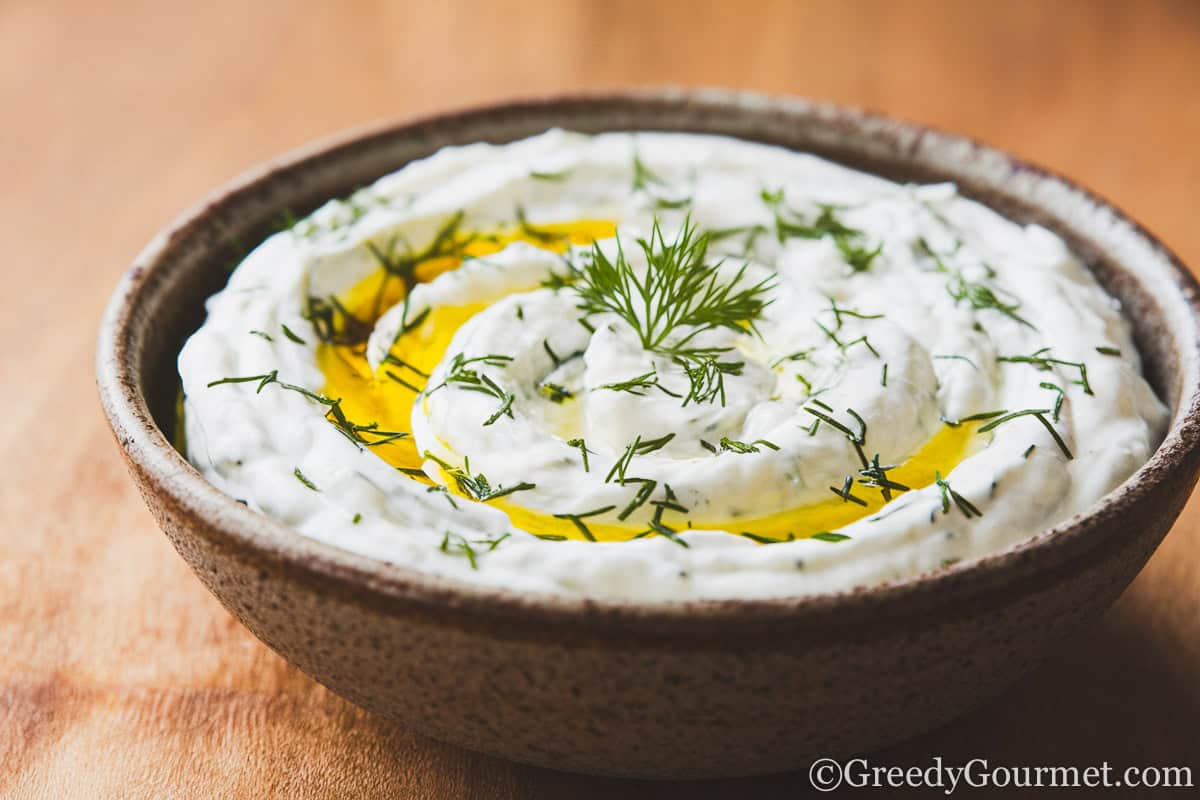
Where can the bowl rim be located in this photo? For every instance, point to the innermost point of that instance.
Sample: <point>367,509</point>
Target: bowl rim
<point>394,588</point>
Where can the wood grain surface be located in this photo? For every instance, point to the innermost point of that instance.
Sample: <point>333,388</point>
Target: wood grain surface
<point>120,676</point>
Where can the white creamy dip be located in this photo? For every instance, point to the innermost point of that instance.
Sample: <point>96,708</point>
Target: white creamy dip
<point>896,369</point>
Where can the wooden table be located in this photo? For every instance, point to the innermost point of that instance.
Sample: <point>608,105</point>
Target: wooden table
<point>121,676</point>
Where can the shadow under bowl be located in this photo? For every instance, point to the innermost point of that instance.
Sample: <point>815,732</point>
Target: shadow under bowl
<point>687,689</point>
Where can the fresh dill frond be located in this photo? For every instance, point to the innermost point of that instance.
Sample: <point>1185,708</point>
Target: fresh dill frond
<point>680,291</point>
<point>680,296</point>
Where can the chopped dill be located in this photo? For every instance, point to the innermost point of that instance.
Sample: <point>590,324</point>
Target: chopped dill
<point>1058,399</point>
<point>876,476</point>
<point>728,445</point>
<point>638,385</point>
<point>551,176</point>
<point>359,434</point>
<point>476,487</point>
<point>583,451</point>
<point>577,520</point>
<point>554,392</point>
<point>952,357</point>
<point>1040,415</point>
<point>461,375</point>
<point>300,477</point>
<point>949,495</point>
<point>845,492</point>
<point>978,294</point>
<point>291,335</point>
<point>761,539</point>
<point>829,536</point>
<point>1041,360</point>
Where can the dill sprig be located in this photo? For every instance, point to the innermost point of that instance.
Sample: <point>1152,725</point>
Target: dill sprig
<point>949,495</point>
<point>679,291</point>
<point>1042,361</point>
<point>477,486</point>
<point>680,296</point>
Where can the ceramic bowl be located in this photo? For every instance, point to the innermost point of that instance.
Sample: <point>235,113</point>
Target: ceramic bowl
<point>684,689</point>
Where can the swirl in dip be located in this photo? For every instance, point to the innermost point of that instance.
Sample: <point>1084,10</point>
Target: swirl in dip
<point>662,366</point>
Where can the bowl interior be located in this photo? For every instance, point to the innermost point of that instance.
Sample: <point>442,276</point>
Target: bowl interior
<point>161,302</point>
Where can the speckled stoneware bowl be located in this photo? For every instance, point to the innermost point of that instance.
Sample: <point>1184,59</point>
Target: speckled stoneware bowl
<point>688,689</point>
